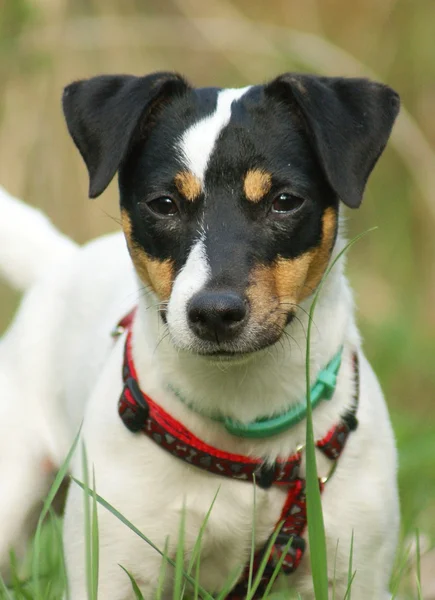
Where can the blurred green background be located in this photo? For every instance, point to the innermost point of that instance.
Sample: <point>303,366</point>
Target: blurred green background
<point>44,44</point>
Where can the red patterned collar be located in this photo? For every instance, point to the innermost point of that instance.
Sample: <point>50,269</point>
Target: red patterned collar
<point>140,413</point>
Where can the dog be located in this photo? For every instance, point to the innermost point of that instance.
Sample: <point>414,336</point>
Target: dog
<point>230,209</point>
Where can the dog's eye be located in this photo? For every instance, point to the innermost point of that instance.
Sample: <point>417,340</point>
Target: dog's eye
<point>285,203</point>
<point>164,206</point>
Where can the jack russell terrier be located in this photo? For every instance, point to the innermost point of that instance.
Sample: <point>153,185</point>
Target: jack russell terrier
<point>230,202</point>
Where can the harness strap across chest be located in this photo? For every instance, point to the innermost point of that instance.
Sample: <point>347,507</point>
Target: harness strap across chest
<point>140,413</point>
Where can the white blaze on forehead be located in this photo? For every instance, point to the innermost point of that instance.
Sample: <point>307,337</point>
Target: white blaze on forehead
<point>198,141</point>
<point>192,277</point>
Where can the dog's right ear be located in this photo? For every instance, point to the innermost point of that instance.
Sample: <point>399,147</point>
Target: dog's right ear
<point>103,114</point>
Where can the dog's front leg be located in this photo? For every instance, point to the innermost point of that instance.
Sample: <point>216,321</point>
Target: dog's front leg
<point>118,460</point>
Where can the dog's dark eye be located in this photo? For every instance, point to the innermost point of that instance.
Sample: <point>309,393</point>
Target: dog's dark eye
<point>164,206</point>
<point>285,203</point>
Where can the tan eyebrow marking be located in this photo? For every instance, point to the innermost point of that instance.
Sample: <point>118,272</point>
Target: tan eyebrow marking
<point>257,184</point>
<point>188,185</point>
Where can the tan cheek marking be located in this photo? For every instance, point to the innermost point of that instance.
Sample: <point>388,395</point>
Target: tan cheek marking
<point>188,185</point>
<point>321,255</point>
<point>275,289</point>
<point>290,275</point>
<point>257,184</point>
<point>158,274</point>
<point>261,293</point>
<point>288,281</point>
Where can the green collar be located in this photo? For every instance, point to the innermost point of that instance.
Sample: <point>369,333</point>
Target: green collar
<point>322,389</point>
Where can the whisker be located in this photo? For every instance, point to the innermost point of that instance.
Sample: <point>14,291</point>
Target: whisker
<point>303,310</point>
<point>298,306</point>
<point>163,337</point>
<point>158,304</point>
<point>145,292</point>
<point>290,337</point>
<point>115,219</point>
<point>283,312</point>
<point>304,331</point>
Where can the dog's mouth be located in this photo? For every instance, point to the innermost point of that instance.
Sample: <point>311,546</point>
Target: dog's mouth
<point>228,358</point>
<point>227,355</point>
<point>249,345</point>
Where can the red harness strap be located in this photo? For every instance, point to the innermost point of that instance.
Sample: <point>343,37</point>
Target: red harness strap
<point>140,413</point>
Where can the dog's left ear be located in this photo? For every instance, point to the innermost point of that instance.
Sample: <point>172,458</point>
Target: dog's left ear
<point>349,122</point>
<point>104,113</point>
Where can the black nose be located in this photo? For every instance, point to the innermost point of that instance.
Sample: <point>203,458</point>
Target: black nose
<point>217,316</point>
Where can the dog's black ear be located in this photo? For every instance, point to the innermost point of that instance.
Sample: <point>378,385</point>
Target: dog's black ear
<point>349,122</point>
<point>103,113</point>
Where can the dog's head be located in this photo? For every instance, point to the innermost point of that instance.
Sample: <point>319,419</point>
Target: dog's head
<point>229,197</point>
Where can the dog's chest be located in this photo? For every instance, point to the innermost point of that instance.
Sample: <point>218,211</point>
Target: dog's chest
<point>174,496</point>
<point>156,491</point>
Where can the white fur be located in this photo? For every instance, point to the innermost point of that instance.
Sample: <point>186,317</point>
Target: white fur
<point>199,140</point>
<point>29,241</point>
<point>192,277</point>
<point>59,365</point>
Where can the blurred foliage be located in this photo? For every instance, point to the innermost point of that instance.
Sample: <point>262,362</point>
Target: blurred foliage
<point>16,17</point>
<point>46,43</point>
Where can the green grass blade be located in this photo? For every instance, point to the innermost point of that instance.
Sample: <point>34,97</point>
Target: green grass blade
<point>48,501</point>
<point>277,570</point>
<point>162,574</point>
<point>4,592</point>
<point>264,560</point>
<point>197,546</point>
<point>57,532</point>
<point>136,590</point>
<point>197,571</point>
<point>203,593</point>
<point>400,572</point>
<point>95,546</point>
<point>349,586</point>
<point>179,558</point>
<point>17,583</point>
<point>231,582</point>
<point>251,559</point>
<point>87,524</point>
<point>350,573</point>
<point>316,528</point>
<point>418,564</point>
<point>198,541</point>
<point>334,596</point>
